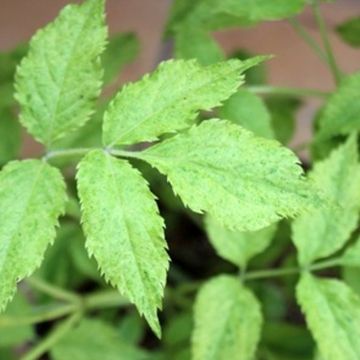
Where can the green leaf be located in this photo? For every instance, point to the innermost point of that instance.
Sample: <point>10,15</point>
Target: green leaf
<point>16,335</point>
<point>248,110</point>
<point>228,321</point>
<point>350,276</point>
<point>10,136</point>
<point>67,263</point>
<point>235,246</point>
<point>178,330</point>
<point>89,136</point>
<point>193,43</point>
<point>131,328</point>
<point>341,115</point>
<point>350,31</point>
<point>122,49</point>
<point>332,313</point>
<point>242,181</point>
<point>32,196</point>
<point>351,256</point>
<point>283,116</point>
<point>170,99</point>
<point>214,14</point>
<point>60,78</point>
<point>9,61</point>
<point>288,341</point>
<point>124,230</point>
<point>317,234</point>
<point>94,340</point>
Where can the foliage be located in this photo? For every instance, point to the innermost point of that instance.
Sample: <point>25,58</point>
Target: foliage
<point>84,251</point>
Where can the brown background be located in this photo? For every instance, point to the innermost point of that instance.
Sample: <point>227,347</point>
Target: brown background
<point>294,65</point>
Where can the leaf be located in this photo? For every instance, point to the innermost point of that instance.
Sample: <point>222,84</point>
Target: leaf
<point>32,196</point>
<point>170,99</point>
<point>60,78</point>
<point>242,181</point>
<point>228,321</point>
<point>124,230</point>
<point>349,31</point>
<point>131,328</point>
<point>248,110</point>
<point>288,341</point>
<point>342,112</point>
<point>193,43</point>
<point>236,246</point>
<point>178,330</point>
<point>89,136</point>
<point>94,340</point>
<point>256,75</point>
<point>10,136</point>
<point>122,49</point>
<point>332,313</point>
<point>351,256</point>
<point>9,61</point>
<point>215,15</point>
<point>16,335</point>
<point>67,263</point>
<point>316,234</point>
<point>283,116</point>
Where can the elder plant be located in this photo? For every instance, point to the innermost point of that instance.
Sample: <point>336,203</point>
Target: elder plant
<point>82,240</point>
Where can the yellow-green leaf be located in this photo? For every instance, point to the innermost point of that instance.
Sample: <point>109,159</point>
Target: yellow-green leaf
<point>332,312</point>
<point>32,196</point>
<point>242,181</point>
<point>323,231</point>
<point>124,231</point>
<point>59,80</point>
<point>228,321</point>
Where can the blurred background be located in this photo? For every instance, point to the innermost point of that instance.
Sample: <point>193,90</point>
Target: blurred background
<point>295,64</point>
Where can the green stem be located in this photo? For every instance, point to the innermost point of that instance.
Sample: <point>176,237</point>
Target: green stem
<point>55,312</point>
<point>79,152</point>
<point>53,291</point>
<point>275,90</point>
<point>321,265</point>
<point>325,39</point>
<point>297,26</point>
<point>67,153</point>
<point>49,341</point>
<point>271,273</point>
<point>104,299</point>
<point>99,300</point>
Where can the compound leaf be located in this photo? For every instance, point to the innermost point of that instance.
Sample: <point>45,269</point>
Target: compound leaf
<point>341,115</point>
<point>228,321</point>
<point>124,230</point>
<point>248,110</point>
<point>236,246</point>
<point>60,78</point>
<point>332,313</point>
<point>323,231</point>
<point>170,99</point>
<point>32,196</point>
<point>244,182</point>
